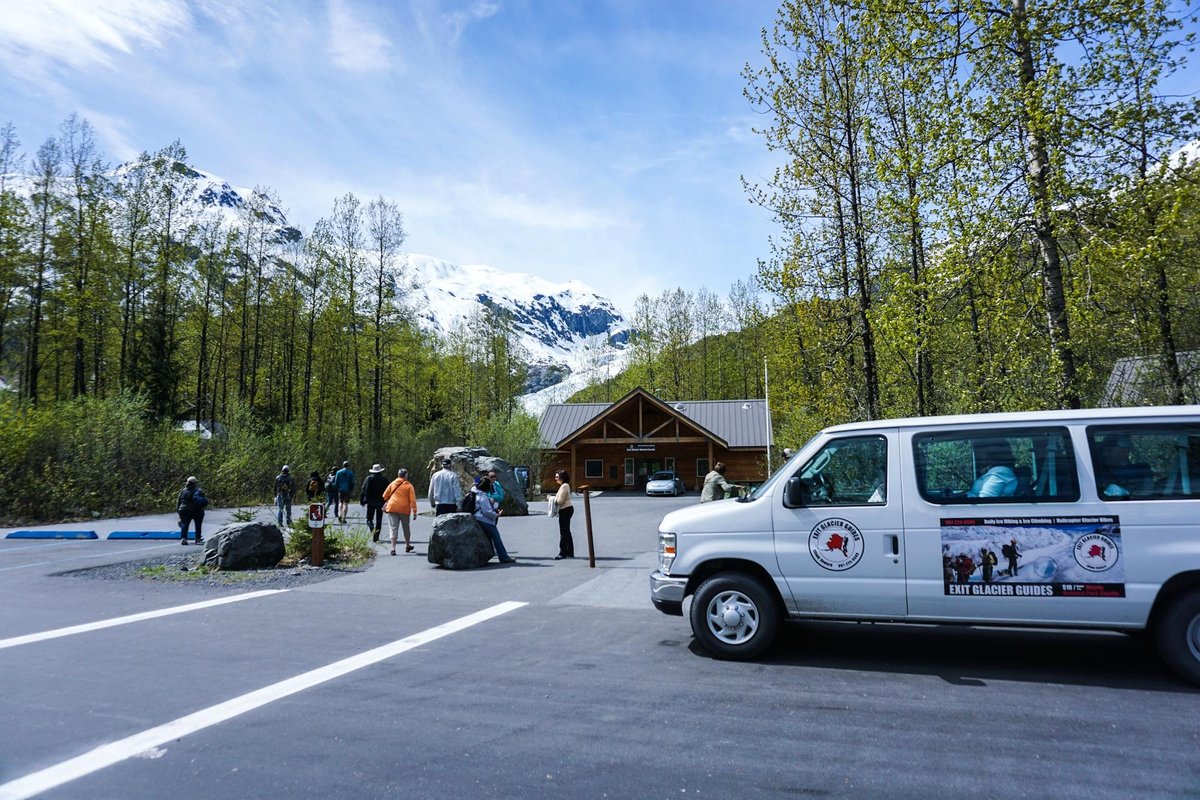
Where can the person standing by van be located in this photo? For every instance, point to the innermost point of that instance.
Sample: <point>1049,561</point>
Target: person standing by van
<point>715,480</point>
<point>566,543</point>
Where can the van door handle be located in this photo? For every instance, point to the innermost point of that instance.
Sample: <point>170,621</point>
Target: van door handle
<point>891,545</point>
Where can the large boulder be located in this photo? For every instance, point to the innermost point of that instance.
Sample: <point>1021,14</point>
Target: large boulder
<point>459,543</point>
<point>244,545</point>
<point>468,462</point>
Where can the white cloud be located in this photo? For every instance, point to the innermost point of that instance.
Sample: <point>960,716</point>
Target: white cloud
<point>114,135</point>
<point>86,34</point>
<point>459,20</point>
<point>355,44</point>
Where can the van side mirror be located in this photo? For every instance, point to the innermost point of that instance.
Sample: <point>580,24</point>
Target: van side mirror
<point>795,493</point>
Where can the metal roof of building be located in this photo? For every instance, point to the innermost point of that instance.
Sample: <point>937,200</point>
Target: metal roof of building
<point>741,423</point>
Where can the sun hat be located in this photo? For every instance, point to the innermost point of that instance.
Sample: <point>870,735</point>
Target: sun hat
<point>286,467</point>
<point>376,468</point>
<point>191,479</point>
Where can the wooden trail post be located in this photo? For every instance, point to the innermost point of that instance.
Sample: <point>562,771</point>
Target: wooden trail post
<point>587,520</point>
<point>316,522</point>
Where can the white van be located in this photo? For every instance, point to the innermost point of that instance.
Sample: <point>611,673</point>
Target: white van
<point>1086,519</point>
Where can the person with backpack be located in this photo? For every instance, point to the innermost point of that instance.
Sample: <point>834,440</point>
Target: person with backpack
<point>400,505</point>
<point>314,487</point>
<point>486,513</point>
<point>344,480</point>
<point>190,507</point>
<point>331,491</point>
<point>372,497</point>
<point>285,487</point>
<point>1010,552</point>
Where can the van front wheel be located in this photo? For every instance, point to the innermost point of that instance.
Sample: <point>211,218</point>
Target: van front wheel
<point>734,616</point>
<point>1178,636</point>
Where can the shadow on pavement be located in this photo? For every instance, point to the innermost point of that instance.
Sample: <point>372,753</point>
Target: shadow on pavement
<point>969,656</point>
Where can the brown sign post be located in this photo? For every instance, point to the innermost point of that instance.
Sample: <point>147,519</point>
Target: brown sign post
<point>587,520</point>
<point>316,522</point>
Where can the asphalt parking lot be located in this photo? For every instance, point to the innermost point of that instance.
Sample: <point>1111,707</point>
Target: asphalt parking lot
<point>546,679</point>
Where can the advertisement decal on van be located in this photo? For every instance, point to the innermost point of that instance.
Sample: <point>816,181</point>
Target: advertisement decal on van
<point>1033,557</point>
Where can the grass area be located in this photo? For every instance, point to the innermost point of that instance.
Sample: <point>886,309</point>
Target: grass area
<point>344,546</point>
<point>173,573</point>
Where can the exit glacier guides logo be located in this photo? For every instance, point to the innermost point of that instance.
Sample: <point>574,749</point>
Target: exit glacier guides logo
<point>835,544</point>
<point>1096,552</point>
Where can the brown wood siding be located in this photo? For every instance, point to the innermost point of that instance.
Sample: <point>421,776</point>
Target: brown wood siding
<point>740,465</point>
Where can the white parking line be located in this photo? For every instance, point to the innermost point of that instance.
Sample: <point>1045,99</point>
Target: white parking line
<point>82,558</point>
<point>5,549</point>
<point>109,623</point>
<point>115,752</point>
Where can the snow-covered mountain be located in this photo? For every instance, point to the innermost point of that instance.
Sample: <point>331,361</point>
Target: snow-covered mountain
<point>569,331</point>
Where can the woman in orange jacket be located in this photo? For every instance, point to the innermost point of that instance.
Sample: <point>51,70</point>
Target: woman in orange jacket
<point>400,505</point>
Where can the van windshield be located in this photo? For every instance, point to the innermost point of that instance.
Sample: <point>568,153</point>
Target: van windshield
<point>766,486</point>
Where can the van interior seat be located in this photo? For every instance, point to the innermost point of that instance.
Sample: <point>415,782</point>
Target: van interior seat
<point>1024,481</point>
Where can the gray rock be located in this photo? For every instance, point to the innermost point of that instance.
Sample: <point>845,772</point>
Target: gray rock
<point>458,542</point>
<point>244,545</point>
<point>467,462</point>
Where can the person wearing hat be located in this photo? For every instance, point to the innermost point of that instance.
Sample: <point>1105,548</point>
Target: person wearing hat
<point>372,498</point>
<point>190,507</point>
<point>344,480</point>
<point>445,491</point>
<point>285,487</point>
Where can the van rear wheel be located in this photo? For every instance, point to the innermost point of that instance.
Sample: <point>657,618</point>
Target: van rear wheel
<point>1178,636</point>
<point>734,616</point>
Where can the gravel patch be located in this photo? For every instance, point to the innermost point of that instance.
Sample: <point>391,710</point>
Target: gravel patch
<point>182,569</point>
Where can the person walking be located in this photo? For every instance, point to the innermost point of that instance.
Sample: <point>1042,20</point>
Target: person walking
<point>314,487</point>
<point>285,487</point>
<point>445,492</point>
<point>344,481</point>
<point>987,563</point>
<point>372,497</point>
<point>566,544</point>
<point>486,515</point>
<point>190,507</point>
<point>715,480</point>
<point>331,491</point>
<point>400,505</point>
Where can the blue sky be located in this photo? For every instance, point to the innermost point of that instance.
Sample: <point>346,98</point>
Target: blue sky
<point>594,139</point>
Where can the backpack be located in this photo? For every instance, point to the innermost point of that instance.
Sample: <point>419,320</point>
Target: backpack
<point>314,486</point>
<point>468,503</point>
<point>330,483</point>
<point>199,499</point>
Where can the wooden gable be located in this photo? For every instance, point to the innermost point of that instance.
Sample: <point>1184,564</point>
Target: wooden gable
<point>640,418</point>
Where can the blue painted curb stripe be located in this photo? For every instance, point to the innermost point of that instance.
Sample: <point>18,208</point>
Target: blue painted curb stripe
<point>52,535</point>
<point>143,535</point>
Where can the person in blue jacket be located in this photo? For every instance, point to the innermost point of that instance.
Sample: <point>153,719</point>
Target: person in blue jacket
<point>345,486</point>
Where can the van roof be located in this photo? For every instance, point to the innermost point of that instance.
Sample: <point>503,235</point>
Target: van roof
<point>1061,415</point>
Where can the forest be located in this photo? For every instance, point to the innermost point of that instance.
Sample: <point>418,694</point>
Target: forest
<point>127,308</point>
<point>981,207</point>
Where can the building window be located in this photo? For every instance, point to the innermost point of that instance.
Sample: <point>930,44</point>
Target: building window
<point>629,476</point>
<point>701,467</point>
<point>593,468</point>
<point>669,464</point>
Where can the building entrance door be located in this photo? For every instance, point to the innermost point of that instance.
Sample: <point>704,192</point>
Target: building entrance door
<point>645,468</point>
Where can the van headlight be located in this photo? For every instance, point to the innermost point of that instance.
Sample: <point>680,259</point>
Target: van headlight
<point>666,552</point>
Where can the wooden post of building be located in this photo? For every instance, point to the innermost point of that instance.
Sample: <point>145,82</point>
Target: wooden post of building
<point>587,521</point>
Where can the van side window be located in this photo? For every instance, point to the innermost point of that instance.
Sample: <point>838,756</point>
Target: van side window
<point>847,472</point>
<point>996,466</point>
<point>1145,462</point>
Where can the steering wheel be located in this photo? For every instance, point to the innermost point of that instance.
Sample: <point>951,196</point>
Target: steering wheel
<point>822,491</point>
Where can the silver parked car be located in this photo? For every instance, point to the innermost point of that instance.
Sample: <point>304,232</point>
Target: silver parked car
<point>665,482</point>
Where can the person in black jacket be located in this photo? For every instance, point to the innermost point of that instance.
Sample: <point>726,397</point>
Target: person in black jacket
<point>190,506</point>
<point>372,498</point>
